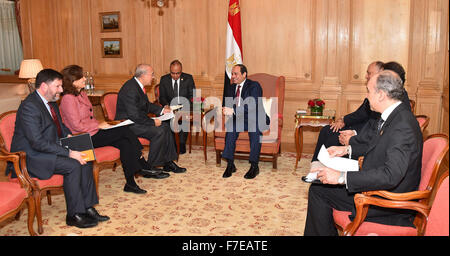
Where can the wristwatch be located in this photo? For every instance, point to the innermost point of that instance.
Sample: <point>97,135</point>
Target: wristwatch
<point>341,179</point>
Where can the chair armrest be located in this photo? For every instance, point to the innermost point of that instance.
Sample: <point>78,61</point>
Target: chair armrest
<point>15,159</point>
<point>408,196</point>
<point>362,203</point>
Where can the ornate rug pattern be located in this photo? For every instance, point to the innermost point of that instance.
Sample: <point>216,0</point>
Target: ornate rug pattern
<point>196,203</point>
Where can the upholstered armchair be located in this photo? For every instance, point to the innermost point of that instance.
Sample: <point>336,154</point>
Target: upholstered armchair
<point>435,214</point>
<point>38,187</point>
<point>14,196</point>
<point>434,150</point>
<point>273,86</point>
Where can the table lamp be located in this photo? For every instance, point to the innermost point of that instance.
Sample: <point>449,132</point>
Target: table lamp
<point>29,69</point>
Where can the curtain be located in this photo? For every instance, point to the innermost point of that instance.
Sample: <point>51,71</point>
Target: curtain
<point>11,54</point>
<point>19,23</point>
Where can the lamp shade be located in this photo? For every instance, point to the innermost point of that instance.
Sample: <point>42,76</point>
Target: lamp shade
<point>29,68</point>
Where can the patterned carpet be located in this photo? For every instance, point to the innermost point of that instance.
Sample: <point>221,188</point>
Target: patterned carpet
<point>196,203</point>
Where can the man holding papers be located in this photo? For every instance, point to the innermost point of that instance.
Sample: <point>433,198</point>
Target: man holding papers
<point>392,162</point>
<point>133,104</point>
<point>77,113</point>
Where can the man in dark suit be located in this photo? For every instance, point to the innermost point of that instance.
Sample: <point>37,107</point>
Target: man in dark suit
<point>37,132</point>
<point>347,128</point>
<point>392,162</point>
<point>245,111</point>
<point>133,104</point>
<point>172,88</point>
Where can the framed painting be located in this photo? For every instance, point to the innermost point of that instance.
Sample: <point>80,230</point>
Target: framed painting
<point>110,21</point>
<point>111,47</point>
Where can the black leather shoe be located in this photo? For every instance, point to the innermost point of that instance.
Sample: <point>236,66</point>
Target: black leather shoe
<point>229,171</point>
<point>92,212</point>
<point>81,220</point>
<point>154,173</point>
<point>252,172</point>
<point>172,167</point>
<point>134,189</point>
<point>182,149</point>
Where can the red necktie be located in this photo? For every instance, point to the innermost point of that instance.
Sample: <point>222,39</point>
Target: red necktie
<point>143,88</point>
<point>238,94</point>
<point>55,119</point>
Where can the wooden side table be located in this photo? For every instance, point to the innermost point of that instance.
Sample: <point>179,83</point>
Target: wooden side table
<point>311,121</point>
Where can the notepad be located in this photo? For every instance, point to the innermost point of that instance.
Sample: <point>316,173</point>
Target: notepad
<point>82,143</point>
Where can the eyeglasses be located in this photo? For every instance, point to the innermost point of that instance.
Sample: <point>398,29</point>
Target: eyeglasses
<point>177,73</point>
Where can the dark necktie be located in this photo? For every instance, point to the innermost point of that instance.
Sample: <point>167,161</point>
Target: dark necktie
<point>175,89</point>
<point>55,119</point>
<point>238,94</point>
<point>380,124</point>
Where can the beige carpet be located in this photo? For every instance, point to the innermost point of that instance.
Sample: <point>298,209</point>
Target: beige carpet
<point>196,203</point>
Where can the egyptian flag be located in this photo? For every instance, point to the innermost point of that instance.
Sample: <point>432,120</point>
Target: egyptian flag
<point>233,54</point>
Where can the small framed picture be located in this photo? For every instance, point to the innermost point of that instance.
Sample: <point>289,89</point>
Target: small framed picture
<point>110,21</point>
<point>111,47</point>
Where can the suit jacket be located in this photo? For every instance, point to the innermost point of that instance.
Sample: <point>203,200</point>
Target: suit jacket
<point>36,134</point>
<point>392,159</point>
<point>166,92</point>
<point>133,104</point>
<point>251,114</point>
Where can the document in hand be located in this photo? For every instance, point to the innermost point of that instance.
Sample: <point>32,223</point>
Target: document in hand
<point>175,107</point>
<point>337,163</point>
<point>126,122</point>
<point>165,117</point>
<point>82,143</point>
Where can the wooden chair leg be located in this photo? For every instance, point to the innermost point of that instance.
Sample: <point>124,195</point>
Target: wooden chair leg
<point>218,158</point>
<point>31,213</point>
<point>49,197</point>
<point>190,140</point>
<point>274,161</point>
<point>17,217</point>
<point>37,200</point>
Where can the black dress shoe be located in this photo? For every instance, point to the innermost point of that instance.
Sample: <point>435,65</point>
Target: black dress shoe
<point>154,173</point>
<point>92,212</point>
<point>81,220</point>
<point>172,167</point>
<point>229,171</point>
<point>133,189</point>
<point>252,172</point>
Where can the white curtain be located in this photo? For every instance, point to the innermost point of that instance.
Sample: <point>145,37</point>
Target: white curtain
<point>11,54</point>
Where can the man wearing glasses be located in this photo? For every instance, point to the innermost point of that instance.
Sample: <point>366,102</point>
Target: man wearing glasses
<point>173,89</point>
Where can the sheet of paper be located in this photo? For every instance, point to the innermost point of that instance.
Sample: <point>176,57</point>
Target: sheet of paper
<point>175,107</point>
<point>166,116</point>
<point>126,122</point>
<point>338,163</point>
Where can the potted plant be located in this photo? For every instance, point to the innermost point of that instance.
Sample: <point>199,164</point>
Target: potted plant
<point>316,106</point>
